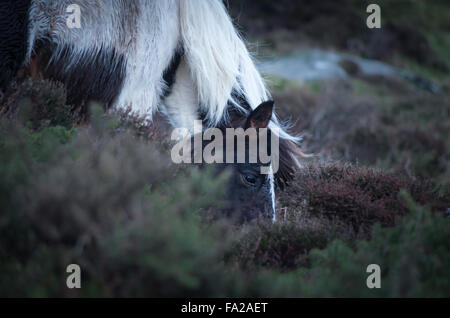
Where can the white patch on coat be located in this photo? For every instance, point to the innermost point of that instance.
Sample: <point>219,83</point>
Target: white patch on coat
<point>147,33</point>
<point>181,106</point>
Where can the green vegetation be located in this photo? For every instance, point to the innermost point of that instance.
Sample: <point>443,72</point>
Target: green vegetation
<point>104,196</point>
<point>423,40</point>
<point>97,190</point>
<point>413,257</point>
<point>382,122</point>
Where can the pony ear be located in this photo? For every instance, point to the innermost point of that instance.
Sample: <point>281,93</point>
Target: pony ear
<point>260,116</point>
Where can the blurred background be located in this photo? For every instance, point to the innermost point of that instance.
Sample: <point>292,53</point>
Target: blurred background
<point>379,97</point>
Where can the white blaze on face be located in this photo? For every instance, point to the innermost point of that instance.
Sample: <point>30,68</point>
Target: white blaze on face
<point>272,192</point>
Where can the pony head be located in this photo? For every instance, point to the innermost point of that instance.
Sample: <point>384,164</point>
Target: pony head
<point>256,159</point>
<point>251,193</point>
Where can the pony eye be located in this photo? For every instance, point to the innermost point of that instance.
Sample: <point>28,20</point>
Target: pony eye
<point>249,179</point>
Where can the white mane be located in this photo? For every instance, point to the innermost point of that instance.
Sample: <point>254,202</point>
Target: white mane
<point>216,61</point>
<point>218,58</point>
<point>219,61</point>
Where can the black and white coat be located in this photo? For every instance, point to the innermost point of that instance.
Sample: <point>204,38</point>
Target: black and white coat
<point>184,57</point>
<point>125,47</point>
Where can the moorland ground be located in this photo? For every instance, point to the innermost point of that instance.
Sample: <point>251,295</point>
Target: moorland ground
<point>98,190</point>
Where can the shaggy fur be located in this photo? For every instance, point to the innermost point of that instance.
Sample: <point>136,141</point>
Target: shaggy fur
<point>185,57</point>
<point>133,30</point>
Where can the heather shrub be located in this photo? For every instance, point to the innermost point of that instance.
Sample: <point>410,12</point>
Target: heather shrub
<point>359,197</point>
<point>21,152</point>
<point>112,204</point>
<point>40,102</point>
<point>281,246</point>
<point>327,202</point>
<point>105,196</point>
<point>136,229</point>
<point>380,122</point>
<point>413,257</point>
